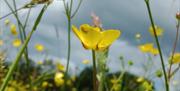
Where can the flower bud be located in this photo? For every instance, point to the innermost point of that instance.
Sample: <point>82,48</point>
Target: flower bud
<point>178,15</point>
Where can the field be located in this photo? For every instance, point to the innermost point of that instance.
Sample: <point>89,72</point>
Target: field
<point>89,45</point>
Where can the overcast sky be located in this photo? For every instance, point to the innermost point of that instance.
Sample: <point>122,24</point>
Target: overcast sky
<point>129,16</point>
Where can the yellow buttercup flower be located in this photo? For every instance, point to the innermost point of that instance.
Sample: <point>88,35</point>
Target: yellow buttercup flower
<point>149,48</point>
<point>60,67</point>
<point>40,62</point>
<point>45,84</point>
<point>69,82</point>
<point>115,84</point>
<point>74,89</point>
<point>1,42</point>
<point>58,79</point>
<point>73,78</point>
<point>147,86</point>
<point>176,58</point>
<point>13,30</point>
<point>154,51</point>
<point>159,31</point>
<point>140,79</point>
<point>146,47</point>
<point>175,83</point>
<point>85,61</point>
<point>93,38</point>
<point>16,42</point>
<point>138,36</point>
<point>39,47</point>
<point>7,21</point>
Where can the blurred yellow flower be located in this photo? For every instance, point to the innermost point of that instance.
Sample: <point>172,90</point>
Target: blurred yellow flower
<point>138,36</point>
<point>73,78</point>
<point>69,82</point>
<point>45,84</point>
<point>74,89</point>
<point>10,89</point>
<point>60,67</point>
<point>1,42</point>
<point>39,47</point>
<point>85,61</point>
<point>7,21</point>
<point>140,79</point>
<point>175,82</point>
<point>146,47</point>
<point>95,39</point>
<point>116,87</point>
<point>159,31</point>
<point>13,29</point>
<point>16,86</point>
<point>154,51</point>
<point>176,58</point>
<point>148,86</point>
<point>16,43</point>
<point>114,80</point>
<point>39,62</point>
<point>58,79</point>
<point>115,84</point>
<point>35,88</point>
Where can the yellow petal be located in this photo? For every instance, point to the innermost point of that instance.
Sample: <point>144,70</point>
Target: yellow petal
<point>39,47</point>
<point>7,21</point>
<point>58,79</point>
<point>140,79</point>
<point>85,61</point>
<point>176,58</point>
<point>45,84</point>
<point>60,67</point>
<point>154,51</point>
<point>13,30</point>
<point>40,62</point>
<point>87,27</point>
<point>77,32</point>
<point>159,31</point>
<point>16,42</point>
<point>138,36</point>
<point>146,47</point>
<point>1,42</point>
<point>89,38</point>
<point>108,37</point>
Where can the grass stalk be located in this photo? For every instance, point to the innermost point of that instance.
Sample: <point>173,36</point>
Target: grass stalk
<point>20,26</point>
<point>17,59</point>
<point>174,49</point>
<point>158,45</point>
<point>68,11</point>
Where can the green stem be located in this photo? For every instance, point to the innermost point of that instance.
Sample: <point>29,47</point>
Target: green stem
<point>68,10</point>
<point>16,16</point>
<point>174,49</point>
<point>174,72</point>
<point>17,59</point>
<point>68,53</point>
<point>158,45</point>
<point>21,28</point>
<point>101,59</point>
<point>69,45</point>
<point>75,12</point>
<point>94,71</point>
<point>69,15</point>
<point>11,13</point>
